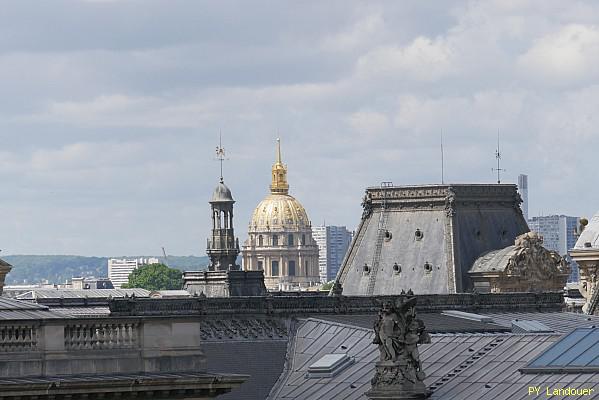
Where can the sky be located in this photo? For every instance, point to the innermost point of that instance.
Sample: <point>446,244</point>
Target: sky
<point>110,111</point>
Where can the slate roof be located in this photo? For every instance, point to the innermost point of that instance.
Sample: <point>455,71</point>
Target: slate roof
<point>11,309</point>
<point>458,223</point>
<point>262,360</point>
<point>458,366</point>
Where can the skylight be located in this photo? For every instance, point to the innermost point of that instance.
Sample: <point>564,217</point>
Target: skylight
<point>529,326</point>
<point>577,352</point>
<point>329,365</point>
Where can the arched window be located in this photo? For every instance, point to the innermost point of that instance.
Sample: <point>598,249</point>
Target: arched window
<point>260,241</point>
<point>290,239</point>
<point>303,239</point>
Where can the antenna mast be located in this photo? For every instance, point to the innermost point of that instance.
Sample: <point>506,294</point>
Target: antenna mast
<point>442,161</point>
<point>498,157</point>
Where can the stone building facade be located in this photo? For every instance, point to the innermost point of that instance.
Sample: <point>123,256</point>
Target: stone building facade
<point>280,239</point>
<point>586,255</point>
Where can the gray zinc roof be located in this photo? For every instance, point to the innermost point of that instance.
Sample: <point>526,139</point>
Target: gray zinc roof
<point>495,260</point>
<point>222,193</point>
<point>81,293</point>
<point>560,322</point>
<point>434,322</point>
<point>458,366</point>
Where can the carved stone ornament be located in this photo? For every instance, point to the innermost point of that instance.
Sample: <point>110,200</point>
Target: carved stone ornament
<point>532,258</point>
<point>336,289</point>
<point>398,332</point>
<point>367,205</point>
<point>450,203</point>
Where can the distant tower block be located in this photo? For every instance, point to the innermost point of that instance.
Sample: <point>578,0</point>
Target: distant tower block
<point>426,238</point>
<point>523,189</point>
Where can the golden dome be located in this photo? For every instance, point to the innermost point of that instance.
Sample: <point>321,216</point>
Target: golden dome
<point>279,210</point>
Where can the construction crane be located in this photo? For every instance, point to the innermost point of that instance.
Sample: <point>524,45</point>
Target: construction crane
<point>165,257</point>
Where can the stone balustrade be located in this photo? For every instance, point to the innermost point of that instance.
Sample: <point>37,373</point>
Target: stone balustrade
<point>101,335</point>
<point>18,337</point>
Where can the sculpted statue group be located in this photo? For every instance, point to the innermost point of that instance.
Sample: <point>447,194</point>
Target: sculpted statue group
<point>398,332</point>
<point>532,257</point>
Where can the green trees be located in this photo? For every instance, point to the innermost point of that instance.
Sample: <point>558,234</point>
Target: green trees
<point>155,277</point>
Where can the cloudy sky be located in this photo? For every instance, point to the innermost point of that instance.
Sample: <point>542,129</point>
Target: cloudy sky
<point>110,110</point>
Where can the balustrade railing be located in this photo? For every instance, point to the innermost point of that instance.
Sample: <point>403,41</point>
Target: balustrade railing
<point>18,338</point>
<point>101,336</point>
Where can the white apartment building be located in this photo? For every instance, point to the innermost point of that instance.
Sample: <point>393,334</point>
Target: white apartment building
<point>120,268</point>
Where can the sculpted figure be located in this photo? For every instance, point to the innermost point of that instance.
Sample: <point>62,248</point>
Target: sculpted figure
<point>398,332</point>
<point>389,332</point>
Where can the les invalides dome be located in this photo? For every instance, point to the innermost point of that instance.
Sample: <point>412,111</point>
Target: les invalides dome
<point>280,238</point>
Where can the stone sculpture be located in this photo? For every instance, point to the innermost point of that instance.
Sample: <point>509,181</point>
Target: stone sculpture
<point>398,332</point>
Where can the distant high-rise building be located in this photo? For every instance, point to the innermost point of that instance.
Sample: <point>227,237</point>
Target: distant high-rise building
<point>523,189</point>
<point>333,242</point>
<point>120,269</point>
<point>559,234</point>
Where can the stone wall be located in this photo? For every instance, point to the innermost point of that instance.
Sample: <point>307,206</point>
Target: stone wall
<point>309,305</point>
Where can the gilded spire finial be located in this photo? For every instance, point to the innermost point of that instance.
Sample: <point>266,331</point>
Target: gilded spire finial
<point>279,150</point>
<point>279,183</point>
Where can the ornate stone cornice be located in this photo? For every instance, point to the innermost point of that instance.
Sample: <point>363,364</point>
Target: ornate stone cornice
<point>448,197</point>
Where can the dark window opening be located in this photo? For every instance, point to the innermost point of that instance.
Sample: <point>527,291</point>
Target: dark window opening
<point>418,235</point>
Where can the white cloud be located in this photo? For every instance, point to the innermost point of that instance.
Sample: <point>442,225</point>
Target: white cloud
<point>424,59</point>
<point>121,124</point>
<point>570,55</point>
<point>369,121</point>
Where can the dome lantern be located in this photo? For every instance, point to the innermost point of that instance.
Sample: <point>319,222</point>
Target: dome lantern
<point>279,183</point>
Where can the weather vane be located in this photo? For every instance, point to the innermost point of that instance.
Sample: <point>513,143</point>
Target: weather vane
<point>220,155</point>
<point>498,157</point>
